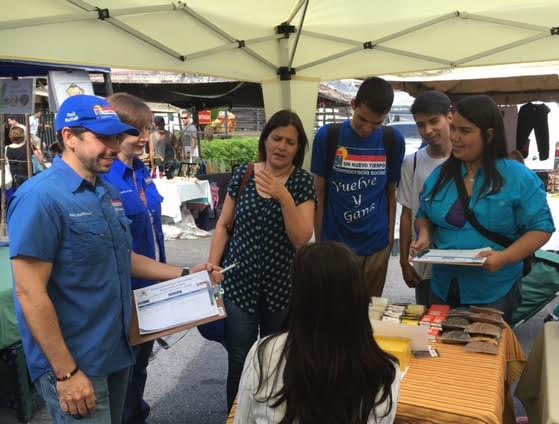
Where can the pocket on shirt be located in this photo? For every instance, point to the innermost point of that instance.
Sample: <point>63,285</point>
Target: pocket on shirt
<point>90,239</point>
<point>500,215</point>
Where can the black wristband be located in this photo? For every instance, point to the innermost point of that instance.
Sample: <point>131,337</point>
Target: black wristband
<point>69,375</point>
<point>185,271</point>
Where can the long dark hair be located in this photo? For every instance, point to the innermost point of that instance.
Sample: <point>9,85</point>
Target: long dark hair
<point>334,370</point>
<point>484,113</point>
<point>283,118</point>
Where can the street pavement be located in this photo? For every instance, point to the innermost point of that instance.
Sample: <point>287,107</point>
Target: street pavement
<point>186,383</point>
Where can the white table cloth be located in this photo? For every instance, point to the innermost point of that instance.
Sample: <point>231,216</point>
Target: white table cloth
<point>179,190</point>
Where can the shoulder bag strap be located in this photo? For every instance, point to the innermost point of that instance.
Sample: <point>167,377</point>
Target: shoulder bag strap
<point>471,218</point>
<point>244,182</point>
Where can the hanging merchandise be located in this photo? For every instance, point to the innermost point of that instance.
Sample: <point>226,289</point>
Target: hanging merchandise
<point>532,116</point>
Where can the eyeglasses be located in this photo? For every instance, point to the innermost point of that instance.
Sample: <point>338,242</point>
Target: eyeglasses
<point>184,117</point>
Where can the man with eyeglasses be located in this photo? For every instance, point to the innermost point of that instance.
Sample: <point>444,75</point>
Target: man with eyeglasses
<point>188,140</point>
<point>70,246</point>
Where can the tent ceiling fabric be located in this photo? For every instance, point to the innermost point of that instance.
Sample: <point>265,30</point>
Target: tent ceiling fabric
<point>238,39</point>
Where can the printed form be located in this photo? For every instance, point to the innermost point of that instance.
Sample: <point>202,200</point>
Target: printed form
<point>175,302</point>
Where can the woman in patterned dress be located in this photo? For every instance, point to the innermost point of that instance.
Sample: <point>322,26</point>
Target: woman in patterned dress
<point>273,218</point>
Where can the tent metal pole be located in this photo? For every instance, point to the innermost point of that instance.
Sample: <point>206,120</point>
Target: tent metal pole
<point>230,46</point>
<point>49,20</point>
<point>223,34</point>
<point>108,84</point>
<point>146,39</point>
<point>406,31</point>
<point>294,11</point>
<point>500,49</point>
<point>329,58</point>
<point>414,55</point>
<point>505,22</point>
<point>415,28</point>
<point>292,56</point>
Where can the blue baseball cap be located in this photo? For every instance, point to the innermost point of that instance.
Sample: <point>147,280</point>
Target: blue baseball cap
<point>92,113</point>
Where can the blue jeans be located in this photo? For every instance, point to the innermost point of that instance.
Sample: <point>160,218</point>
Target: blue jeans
<point>109,392</point>
<point>136,409</point>
<point>508,303</point>
<point>241,331</point>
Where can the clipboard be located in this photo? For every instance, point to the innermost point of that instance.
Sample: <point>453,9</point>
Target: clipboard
<point>135,338</point>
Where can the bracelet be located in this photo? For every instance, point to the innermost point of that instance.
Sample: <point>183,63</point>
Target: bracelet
<point>185,271</point>
<point>69,375</point>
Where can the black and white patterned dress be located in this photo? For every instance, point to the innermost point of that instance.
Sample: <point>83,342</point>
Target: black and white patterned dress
<point>260,246</point>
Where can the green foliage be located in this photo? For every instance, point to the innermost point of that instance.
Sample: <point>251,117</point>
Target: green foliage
<point>227,152</point>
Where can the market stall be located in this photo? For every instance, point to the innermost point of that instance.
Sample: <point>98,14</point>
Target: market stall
<point>178,190</point>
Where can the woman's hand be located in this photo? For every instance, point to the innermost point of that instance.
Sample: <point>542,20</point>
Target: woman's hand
<point>269,185</point>
<point>422,243</point>
<point>495,260</point>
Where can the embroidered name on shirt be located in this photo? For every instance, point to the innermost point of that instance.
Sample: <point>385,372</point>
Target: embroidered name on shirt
<point>78,214</point>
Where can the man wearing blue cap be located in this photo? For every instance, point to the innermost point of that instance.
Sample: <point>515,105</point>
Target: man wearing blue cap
<point>71,257</point>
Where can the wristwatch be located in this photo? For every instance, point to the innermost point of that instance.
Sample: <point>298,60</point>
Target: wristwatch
<point>185,271</point>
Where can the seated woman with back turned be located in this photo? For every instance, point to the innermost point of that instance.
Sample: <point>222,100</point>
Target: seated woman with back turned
<point>326,368</point>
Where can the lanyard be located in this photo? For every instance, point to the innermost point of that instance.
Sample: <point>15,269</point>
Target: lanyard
<point>140,190</point>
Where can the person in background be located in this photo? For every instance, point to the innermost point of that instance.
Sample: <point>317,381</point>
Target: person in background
<point>70,247</point>
<point>16,153</point>
<point>142,206</point>
<point>273,217</point>
<point>431,111</point>
<point>162,144</point>
<point>188,140</point>
<point>504,196</point>
<point>356,192</point>
<point>327,367</point>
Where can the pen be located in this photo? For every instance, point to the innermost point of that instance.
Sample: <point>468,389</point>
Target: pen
<point>227,268</point>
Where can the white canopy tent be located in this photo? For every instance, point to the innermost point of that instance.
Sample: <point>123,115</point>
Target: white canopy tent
<point>289,46</point>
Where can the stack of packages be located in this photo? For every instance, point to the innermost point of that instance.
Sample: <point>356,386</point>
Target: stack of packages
<point>377,308</point>
<point>434,319</point>
<point>478,328</point>
<point>393,313</point>
<point>413,314</point>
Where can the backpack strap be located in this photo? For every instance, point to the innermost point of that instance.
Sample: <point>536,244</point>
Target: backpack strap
<point>333,136</point>
<point>390,146</point>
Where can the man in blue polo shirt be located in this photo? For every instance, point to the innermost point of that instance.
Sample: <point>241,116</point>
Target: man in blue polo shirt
<point>356,192</point>
<point>71,257</point>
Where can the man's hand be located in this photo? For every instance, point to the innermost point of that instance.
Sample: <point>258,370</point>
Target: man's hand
<point>212,269</point>
<point>76,395</point>
<point>269,185</point>
<point>495,260</point>
<point>410,275</point>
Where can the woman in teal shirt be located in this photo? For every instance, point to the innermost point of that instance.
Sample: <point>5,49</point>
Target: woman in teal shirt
<point>505,197</point>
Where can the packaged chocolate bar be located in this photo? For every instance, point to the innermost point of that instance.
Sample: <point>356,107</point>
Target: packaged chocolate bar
<point>489,319</point>
<point>486,310</point>
<point>455,323</point>
<point>455,337</point>
<point>483,329</point>
<point>481,347</point>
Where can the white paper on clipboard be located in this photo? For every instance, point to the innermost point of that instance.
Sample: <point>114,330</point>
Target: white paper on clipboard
<point>175,302</point>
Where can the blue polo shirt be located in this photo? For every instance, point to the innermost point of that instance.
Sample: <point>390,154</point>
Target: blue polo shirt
<point>520,206</point>
<point>357,209</point>
<point>145,220</point>
<point>60,218</point>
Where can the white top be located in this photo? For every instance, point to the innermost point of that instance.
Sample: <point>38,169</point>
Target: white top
<point>411,184</point>
<point>251,411</point>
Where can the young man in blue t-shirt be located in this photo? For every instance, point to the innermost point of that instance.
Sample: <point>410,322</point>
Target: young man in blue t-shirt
<point>356,196</point>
